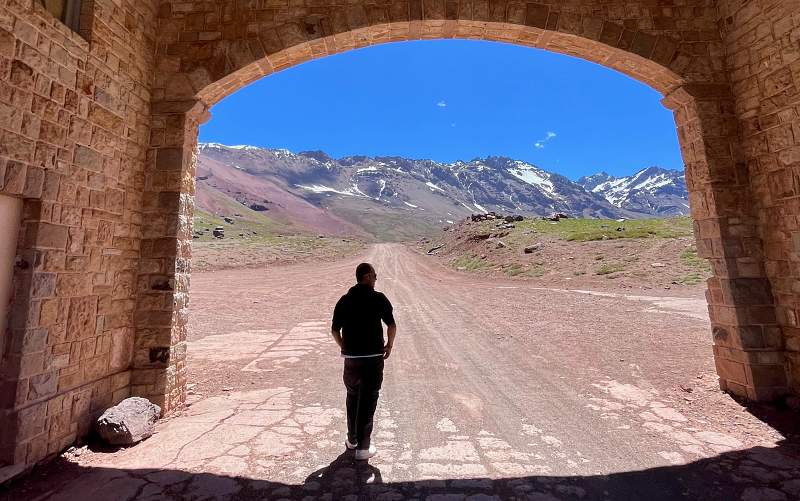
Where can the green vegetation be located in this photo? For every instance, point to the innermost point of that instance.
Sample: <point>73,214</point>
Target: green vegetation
<point>471,262</point>
<point>608,269</point>
<point>586,230</point>
<point>513,270</point>
<point>535,271</point>
<point>253,225</point>
<point>693,278</point>
<point>690,258</point>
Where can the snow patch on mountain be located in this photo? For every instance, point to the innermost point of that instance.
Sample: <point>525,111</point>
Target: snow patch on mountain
<point>318,188</point>
<point>533,176</point>
<point>433,186</point>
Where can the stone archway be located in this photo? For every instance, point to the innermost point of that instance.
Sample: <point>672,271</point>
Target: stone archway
<point>97,147</point>
<point>207,52</point>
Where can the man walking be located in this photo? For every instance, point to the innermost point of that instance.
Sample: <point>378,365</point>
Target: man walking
<point>357,329</point>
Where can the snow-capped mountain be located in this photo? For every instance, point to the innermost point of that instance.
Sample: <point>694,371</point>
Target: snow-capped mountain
<point>364,189</point>
<point>653,191</point>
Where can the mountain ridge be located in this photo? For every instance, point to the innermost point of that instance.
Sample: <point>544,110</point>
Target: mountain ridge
<point>359,190</point>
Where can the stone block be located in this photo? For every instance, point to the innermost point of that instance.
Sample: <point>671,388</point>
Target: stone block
<point>14,176</point>
<point>121,349</point>
<point>88,159</point>
<point>536,15</point>
<point>42,386</point>
<point>730,370</point>
<point>768,375</point>
<point>82,317</point>
<point>46,235</point>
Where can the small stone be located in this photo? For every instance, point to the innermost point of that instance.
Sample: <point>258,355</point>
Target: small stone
<point>533,248</point>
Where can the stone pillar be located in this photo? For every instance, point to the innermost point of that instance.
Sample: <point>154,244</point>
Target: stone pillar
<point>748,342</point>
<point>159,362</point>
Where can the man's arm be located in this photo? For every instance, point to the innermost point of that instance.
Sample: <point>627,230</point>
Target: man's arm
<point>337,335</point>
<point>391,332</point>
<point>391,326</point>
<point>336,323</point>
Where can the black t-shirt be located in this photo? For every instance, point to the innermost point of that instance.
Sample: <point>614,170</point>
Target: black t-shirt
<point>359,313</point>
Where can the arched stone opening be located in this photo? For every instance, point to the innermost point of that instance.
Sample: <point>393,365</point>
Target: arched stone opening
<point>204,66</point>
<point>98,141</point>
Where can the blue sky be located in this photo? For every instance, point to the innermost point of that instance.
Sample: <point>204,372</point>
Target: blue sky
<point>456,100</point>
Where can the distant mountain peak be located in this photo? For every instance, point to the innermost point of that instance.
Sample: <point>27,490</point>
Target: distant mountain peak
<point>653,189</point>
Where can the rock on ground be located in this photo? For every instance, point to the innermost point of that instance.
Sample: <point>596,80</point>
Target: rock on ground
<point>131,421</point>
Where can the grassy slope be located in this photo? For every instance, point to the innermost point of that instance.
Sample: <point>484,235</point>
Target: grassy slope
<point>578,247</point>
<point>256,240</point>
<point>587,230</point>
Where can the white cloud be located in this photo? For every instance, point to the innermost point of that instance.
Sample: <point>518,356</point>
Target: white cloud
<point>549,136</point>
<point>442,104</point>
<point>453,124</point>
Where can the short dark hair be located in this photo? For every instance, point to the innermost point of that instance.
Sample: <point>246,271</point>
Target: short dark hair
<point>362,269</point>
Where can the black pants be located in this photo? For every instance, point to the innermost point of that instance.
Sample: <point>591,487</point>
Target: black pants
<point>362,378</point>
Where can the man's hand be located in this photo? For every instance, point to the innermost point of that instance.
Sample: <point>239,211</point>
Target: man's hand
<point>387,350</point>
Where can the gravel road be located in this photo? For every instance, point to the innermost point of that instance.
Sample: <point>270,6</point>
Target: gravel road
<point>495,390</point>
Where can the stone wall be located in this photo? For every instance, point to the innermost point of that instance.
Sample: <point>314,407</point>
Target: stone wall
<point>98,137</point>
<point>762,43</point>
<point>74,133</point>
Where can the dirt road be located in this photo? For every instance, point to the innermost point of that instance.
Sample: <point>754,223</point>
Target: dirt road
<point>495,390</point>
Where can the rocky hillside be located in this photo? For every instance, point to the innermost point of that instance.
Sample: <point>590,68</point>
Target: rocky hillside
<point>393,198</point>
<point>653,191</point>
<point>591,254</point>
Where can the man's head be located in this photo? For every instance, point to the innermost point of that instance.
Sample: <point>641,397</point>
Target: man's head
<point>365,274</point>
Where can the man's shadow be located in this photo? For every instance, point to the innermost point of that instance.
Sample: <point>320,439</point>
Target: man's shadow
<point>344,474</point>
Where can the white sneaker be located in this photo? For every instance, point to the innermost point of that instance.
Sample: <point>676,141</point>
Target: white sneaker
<point>364,454</point>
<point>349,444</point>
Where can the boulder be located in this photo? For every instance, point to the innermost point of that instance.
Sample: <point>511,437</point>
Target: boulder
<point>519,218</point>
<point>128,422</point>
<point>228,220</point>
<point>532,248</point>
<point>556,216</point>
<point>219,232</point>
<point>259,207</point>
